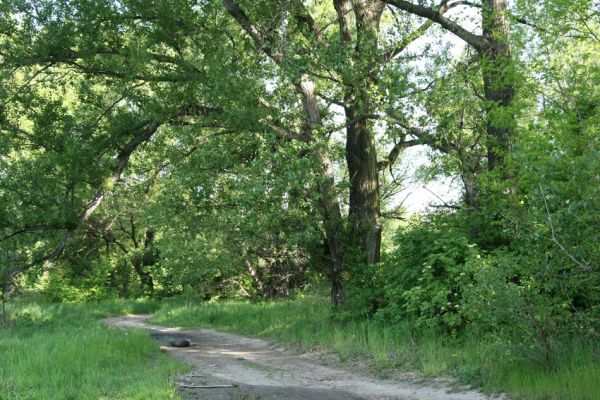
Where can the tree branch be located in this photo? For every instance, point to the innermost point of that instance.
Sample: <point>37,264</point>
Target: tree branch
<point>304,18</point>
<point>148,128</point>
<point>391,158</point>
<point>443,7</point>
<point>240,16</point>
<point>478,42</point>
<point>29,230</point>
<point>400,47</point>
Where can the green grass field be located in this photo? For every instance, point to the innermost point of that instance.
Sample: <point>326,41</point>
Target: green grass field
<point>62,352</point>
<point>484,363</point>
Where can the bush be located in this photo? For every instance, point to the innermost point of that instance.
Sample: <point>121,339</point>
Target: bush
<point>424,278</point>
<point>527,293</point>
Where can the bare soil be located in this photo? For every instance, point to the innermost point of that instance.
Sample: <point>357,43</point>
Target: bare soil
<point>259,370</point>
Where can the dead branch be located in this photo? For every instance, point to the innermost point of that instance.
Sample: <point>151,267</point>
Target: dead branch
<point>582,264</point>
<point>206,386</point>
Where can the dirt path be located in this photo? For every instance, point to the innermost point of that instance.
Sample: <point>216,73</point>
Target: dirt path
<point>261,371</point>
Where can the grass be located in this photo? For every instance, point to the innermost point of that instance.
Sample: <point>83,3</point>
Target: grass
<point>63,351</point>
<point>479,360</point>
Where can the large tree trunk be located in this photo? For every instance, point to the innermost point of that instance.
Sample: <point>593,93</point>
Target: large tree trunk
<point>361,153</point>
<point>364,213</point>
<point>499,91</point>
<point>498,82</point>
<point>328,201</point>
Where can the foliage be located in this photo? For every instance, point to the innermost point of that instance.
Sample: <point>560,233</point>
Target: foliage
<point>426,276</point>
<point>517,258</point>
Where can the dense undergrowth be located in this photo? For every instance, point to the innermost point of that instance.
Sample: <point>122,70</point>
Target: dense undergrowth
<point>486,362</point>
<point>63,351</point>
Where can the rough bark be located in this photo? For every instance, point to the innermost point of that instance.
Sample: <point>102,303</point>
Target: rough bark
<point>361,153</point>
<point>498,81</point>
<point>328,200</point>
<point>364,212</point>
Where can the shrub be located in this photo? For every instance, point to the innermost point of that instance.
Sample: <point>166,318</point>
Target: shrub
<point>425,276</point>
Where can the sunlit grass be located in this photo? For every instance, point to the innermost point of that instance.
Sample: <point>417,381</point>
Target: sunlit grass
<point>65,352</point>
<point>478,360</point>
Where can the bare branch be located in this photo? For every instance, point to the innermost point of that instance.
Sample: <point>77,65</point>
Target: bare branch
<point>391,158</point>
<point>420,31</point>
<point>442,200</point>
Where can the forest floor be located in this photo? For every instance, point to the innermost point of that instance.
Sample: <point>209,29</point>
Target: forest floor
<point>257,369</point>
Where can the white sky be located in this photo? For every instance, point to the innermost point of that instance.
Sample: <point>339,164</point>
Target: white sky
<point>417,195</point>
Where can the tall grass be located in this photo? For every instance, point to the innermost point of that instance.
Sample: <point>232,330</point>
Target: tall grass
<point>486,362</point>
<point>63,352</point>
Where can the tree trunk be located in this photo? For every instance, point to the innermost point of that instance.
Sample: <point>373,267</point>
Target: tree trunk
<point>148,258</point>
<point>364,213</point>
<point>361,153</point>
<point>498,82</point>
<point>257,280</point>
<point>3,320</point>
<point>469,179</point>
<point>328,201</point>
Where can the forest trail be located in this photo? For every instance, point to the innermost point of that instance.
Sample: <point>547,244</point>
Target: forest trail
<point>261,371</point>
